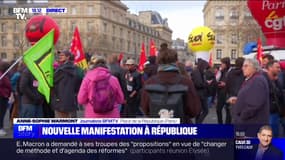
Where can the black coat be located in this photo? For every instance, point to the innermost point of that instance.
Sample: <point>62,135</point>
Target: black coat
<point>200,83</point>
<point>28,90</point>
<point>234,81</point>
<point>66,85</point>
<point>272,153</point>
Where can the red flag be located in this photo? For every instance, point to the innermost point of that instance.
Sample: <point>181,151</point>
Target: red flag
<point>120,59</point>
<point>77,50</point>
<point>142,58</point>
<point>152,48</point>
<point>259,51</point>
<point>211,59</point>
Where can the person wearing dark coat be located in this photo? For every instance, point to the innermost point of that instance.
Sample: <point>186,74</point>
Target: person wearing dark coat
<point>66,86</point>
<point>251,106</point>
<point>132,88</point>
<point>271,72</point>
<point>199,79</point>
<point>235,78</point>
<point>168,73</point>
<point>221,92</point>
<point>32,100</point>
<point>118,72</point>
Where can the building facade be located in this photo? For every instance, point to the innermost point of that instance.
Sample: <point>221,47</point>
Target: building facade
<point>183,52</point>
<point>105,27</point>
<point>233,26</point>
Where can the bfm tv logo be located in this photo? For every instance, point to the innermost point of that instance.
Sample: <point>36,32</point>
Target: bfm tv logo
<point>21,12</point>
<point>25,128</point>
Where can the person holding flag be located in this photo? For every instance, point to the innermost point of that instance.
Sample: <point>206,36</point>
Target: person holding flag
<point>37,78</point>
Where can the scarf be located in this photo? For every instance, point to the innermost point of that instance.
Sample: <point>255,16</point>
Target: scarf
<point>168,67</point>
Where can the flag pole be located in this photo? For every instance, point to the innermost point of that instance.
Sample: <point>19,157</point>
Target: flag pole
<point>11,67</point>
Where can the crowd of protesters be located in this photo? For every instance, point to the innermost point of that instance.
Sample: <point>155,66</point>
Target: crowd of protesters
<point>252,94</point>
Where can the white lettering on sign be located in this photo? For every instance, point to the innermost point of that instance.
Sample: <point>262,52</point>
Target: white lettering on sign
<point>266,4</point>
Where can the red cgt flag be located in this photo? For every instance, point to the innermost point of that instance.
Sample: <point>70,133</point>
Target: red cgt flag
<point>77,50</point>
<point>142,59</point>
<point>120,59</point>
<point>259,51</point>
<point>152,51</point>
<point>211,59</point>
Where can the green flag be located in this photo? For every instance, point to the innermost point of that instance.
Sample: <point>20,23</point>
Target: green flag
<point>39,60</point>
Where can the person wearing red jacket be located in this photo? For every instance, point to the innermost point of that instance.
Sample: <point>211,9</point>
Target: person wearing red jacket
<point>5,93</point>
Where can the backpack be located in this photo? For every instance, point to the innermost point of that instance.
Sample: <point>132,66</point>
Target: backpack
<point>103,97</point>
<point>166,100</point>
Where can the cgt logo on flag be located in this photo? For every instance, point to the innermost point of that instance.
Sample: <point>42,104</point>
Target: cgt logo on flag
<point>77,50</point>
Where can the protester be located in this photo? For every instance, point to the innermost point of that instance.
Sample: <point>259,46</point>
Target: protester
<point>201,85</point>
<point>110,93</point>
<point>168,75</point>
<point>235,79</point>
<point>66,80</point>
<point>133,85</point>
<point>31,99</point>
<point>5,93</point>
<point>265,59</point>
<point>189,67</point>
<point>182,69</point>
<point>251,106</point>
<point>271,72</point>
<point>221,92</point>
<point>118,72</point>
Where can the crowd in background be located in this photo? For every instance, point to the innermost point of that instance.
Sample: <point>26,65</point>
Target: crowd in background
<point>252,94</point>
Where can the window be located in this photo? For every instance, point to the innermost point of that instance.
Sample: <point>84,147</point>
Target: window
<point>3,27</point>
<point>73,25</point>
<point>219,14</point>
<point>90,10</point>
<point>3,55</point>
<point>129,46</point>
<point>3,41</point>
<point>105,12</point>
<point>105,27</point>
<point>10,12</point>
<point>15,55</point>
<point>233,54</point>
<point>89,41</point>
<point>130,23</point>
<point>114,30</point>
<point>234,14</point>
<point>129,34</point>
<point>16,41</point>
<point>73,10</point>
<point>121,32</point>
<point>114,42</point>
<point>247,14</point>
<point>121,44</point>
<point>113,14</point>
<point>89,26</point>
<point>219,38</point>
<point>218,54</point>
<point>16,27</point>
<point>234,38</point>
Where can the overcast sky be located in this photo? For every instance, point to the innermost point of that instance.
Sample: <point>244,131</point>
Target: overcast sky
<point>183,16</point>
